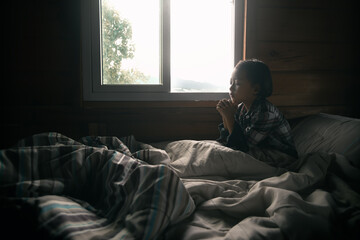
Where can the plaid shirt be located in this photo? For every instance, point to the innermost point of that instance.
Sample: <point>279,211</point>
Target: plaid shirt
<point>263,126</point>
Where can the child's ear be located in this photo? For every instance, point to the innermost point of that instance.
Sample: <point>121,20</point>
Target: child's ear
<point>256,89</point>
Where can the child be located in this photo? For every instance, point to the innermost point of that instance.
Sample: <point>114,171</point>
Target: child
<point>250,122</point>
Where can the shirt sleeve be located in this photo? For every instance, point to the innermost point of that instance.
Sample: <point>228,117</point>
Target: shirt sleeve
<point>224,133</point>
<point>236,140</point>
<point>262,124</point>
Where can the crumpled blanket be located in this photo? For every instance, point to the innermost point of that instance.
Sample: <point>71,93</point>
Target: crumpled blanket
<point>239,197</point>
<point>91,189</point>
<point>110,188</point>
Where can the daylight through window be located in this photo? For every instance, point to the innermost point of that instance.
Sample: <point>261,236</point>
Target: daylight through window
<point>202,54</point>
<point>201,45</point>
<point>130,42</point>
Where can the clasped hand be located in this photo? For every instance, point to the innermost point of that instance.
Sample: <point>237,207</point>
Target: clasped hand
<point>227,111</point>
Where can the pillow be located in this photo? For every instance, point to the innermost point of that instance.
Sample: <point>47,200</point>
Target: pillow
<point>329,133</point>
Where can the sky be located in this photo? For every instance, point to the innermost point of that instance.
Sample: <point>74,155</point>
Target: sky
<point>201,38</point>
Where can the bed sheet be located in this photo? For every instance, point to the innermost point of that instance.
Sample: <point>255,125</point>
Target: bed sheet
<point>111,188</point>
<point>239,197</point>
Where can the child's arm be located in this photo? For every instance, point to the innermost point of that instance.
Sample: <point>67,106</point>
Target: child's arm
<point>224,122</point>
<point>219,108</point>
<point>234,136</point>
<point>227,111</point>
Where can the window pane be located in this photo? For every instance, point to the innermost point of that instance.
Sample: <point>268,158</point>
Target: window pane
<point>201,45</point>
<point>130,42</point>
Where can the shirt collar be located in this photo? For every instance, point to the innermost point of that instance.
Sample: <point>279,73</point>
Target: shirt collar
<point>256,103</point>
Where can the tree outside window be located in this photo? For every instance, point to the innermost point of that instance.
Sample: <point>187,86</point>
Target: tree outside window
<point>118,46</point>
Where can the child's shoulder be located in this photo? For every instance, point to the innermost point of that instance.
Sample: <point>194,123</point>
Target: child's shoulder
<point>269,109</point>
<point>268,106</point>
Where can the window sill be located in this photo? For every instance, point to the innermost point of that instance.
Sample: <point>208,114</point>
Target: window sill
<point>154,96</point>
<point>109,105</point>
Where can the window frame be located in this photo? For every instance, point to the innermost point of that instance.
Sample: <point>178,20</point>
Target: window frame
<point>93,90</point>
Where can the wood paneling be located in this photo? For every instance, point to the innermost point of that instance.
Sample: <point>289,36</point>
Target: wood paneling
<point>314,88</point>
<point>320,25</point>
<point>322,4</point>
<point>306,56</point>
<point>163,122</point>
<point>42,53</point>
<point>312,50</point>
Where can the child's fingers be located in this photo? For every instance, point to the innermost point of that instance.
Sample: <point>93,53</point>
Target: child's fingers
<point>221,104</point>
<point>226,103</point>
<point>221,111</point>
<point>224,100</point>
<point>229,103</point>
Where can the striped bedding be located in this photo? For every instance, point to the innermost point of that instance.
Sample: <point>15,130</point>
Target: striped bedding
<point>91,189</point>
<point>118,188</point>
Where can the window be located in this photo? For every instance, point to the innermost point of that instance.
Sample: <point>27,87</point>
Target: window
<point>159,49</point>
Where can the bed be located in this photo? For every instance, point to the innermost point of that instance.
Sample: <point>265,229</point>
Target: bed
<point>102,187</point>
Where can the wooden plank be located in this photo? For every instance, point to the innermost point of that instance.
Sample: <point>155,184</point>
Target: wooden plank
<point>320,4</point>
<point>152,132</point>
<point>165,118</point>
<point>302,56</point>
<point>88,105</point>
<point>325,25</point>
<point>315,88</point>
<point>303,99</point>
<point>313,82</point>
<point>36,88</point>
<point>43,63</point>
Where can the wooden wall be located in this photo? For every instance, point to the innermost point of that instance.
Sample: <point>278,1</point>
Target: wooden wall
<point>41,84</point>
<point>310,46</point>
<point>312,50</point>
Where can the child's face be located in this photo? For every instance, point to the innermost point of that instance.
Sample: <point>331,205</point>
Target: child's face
<point>241,90</point>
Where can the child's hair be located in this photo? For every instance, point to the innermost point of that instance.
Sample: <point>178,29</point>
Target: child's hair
<point>257,72</point>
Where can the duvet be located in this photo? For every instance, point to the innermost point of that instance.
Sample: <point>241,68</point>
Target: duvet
<point>118,188</point>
